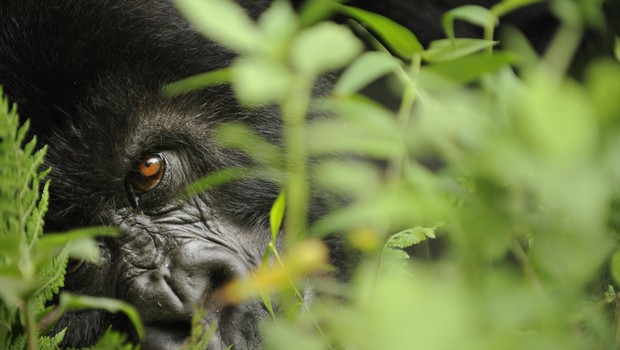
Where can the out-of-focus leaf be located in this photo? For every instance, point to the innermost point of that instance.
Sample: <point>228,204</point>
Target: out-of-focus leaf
<point>506,6</point>
<point>69,302</point>
<point>603,83</point>
<point>313,11</point>
<point>79,243</point>
<point>351,178</point>
<point>473,14</point>
<point>398,38</point>
<point>196,82</point>
<point>557,121</point>
<point>324,47</point>
<point>364,70</point>
<point>469,68</point>
<point>278,24</point>
<point>615,266</point>
<point>240,136</point>
<point>258,81</point>
<point>446,49</point>
<point>223,21</point>
<point>365,128</point>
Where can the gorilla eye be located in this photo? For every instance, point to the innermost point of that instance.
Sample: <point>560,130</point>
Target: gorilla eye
<point>147,173</point>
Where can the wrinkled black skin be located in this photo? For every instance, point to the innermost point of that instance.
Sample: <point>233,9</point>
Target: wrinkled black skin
<point>88,74</point>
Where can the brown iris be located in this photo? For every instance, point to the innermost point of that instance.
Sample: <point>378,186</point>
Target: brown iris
<point>147,173</point>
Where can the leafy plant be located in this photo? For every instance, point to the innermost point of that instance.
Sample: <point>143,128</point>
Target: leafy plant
<point>32,265</point>
<point>521,198</point>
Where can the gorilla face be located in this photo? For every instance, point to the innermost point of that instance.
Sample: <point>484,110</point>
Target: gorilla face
<point>88,74</point>
<point>124,165</point>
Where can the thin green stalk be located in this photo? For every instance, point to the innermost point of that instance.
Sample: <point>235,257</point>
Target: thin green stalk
<point>294,111</point>
<point>298,294</point>
<point>404,112</point>
<point>31,326</point>
<point>488,35</point>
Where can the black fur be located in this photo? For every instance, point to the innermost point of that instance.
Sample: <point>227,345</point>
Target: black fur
<point>88,74</point>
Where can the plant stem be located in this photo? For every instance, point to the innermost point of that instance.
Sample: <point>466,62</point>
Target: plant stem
<point>404,113</point>
<point>294,110</point>
<point>31,326</point>
<point>298,294</point>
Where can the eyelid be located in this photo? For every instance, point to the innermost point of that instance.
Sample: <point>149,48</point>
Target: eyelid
<point>147,173</point>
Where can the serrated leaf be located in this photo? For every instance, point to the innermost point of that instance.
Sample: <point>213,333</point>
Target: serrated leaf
<point>51,278</point>
<point>398,38</point>
<point>52,343</point>
<point>395,254</point>
<point>114,340</point>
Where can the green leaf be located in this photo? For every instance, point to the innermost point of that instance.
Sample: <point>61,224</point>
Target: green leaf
<point>114,340</point>
<point>78,242</point>
<point>447,50</point>
<point>473,14</point>
<point>396,37</point>
<point>51,278</point>
<point>314,11</point>
<point>276,215</point>
<point>52,343</point>
<point>364,70</point>
<point>409,237</point>
<point>199,81</point>
<point>259,81</point>
<point>324,47</point>
<point>365,127</point>
<point>279,25</point>
<point>69,302</point>
<point>223,21</point>
<point>469,68</point>
<point>507,6</point>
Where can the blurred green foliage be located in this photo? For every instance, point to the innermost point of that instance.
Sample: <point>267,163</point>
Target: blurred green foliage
<point>522,201</point>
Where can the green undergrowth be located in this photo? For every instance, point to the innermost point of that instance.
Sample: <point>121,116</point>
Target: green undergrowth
<point>508,241</point>
<point>520,199</point>
<point>32,266</point>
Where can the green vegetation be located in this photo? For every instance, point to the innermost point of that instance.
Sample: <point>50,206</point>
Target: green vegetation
<point>525,202</point>
<point>32,266</point>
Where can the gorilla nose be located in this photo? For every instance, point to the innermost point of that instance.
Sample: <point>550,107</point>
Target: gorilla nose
<point>186,280</point>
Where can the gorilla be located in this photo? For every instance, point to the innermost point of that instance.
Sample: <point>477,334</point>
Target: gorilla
<point>88,74</point>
